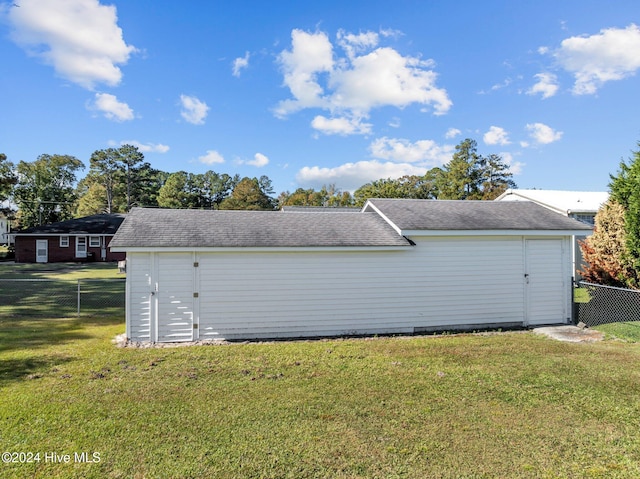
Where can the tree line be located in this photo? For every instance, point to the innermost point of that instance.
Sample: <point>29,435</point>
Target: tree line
<point>47,190</point>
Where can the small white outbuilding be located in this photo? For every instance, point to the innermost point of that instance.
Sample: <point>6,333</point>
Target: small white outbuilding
<point>396,266</point>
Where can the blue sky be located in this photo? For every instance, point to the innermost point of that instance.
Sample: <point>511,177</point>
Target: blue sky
<point>333,92</point>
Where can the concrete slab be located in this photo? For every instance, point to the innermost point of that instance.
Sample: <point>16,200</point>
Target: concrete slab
<point>572,334</point>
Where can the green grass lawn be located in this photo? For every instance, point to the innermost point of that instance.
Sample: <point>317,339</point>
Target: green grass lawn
<point>625,331</point>
<point>461,406</point>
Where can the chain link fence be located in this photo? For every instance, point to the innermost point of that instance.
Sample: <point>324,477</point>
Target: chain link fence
<point>49,298</point>
<point>607,304</point>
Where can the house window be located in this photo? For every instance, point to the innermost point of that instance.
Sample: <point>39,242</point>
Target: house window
<point>94,241</point>
<point>64,241</point>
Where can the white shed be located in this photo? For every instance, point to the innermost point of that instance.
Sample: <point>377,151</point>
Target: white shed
<point>398,266</point>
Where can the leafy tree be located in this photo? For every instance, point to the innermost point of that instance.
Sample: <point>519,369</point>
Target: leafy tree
<point>248,194</point>
<point>147,185</point>
<point>175,192</point>
<point>462,175</point>
<point>495,177</point>
<point>604,251</point>
<point>126,180</point>
<point>382,188</point>
<point>45,191</point>
<point>7,178</point>
<point>91,198</point>
<point>105,171</point>
<point>188,190</point>
<point>328,196</point>
<point>625,189</point>
<point>210,189</point>
<point>409,186</point>
<point>131,162</point>
<point>470,176</point>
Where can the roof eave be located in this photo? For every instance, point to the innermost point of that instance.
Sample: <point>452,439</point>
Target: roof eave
<point>254,249</point>
<point>503,232</point>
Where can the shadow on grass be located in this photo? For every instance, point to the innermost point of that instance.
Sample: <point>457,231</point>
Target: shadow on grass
<point>31,368</point>
<point>20,334</point>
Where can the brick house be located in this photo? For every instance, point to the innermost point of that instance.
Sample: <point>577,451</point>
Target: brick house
<point>79,239</point>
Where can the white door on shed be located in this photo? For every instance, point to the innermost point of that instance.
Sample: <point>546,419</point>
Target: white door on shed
<point>546,293</point>
<point>175,297</point>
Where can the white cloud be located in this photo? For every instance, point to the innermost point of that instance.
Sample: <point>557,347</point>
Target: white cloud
<point>212,157</point>
<point>240,64</point>
<point>547,85</point>
<point>515,167</point>
<point>499,86</point>
<point>340,126</point>
<point>193,110</point>
<point>111,108</point>
<point>612,54</point>
<point>386,78</point>
<point>310,55</point>
<point>392,158</point>
<point>452,133</point>
<point>351,85</point>
<point>543,134</point>
<point>496,136</point>
<point>395,122</point>
<point>259,160</point>
<point>79,38</point>
<point>147,147</point>
<point>353,44</point>
<point>425,152</point>
<point>351,176</point>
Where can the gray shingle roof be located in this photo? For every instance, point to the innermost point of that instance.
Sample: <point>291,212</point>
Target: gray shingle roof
<point>106,224</point>
<point>206,228</point>
<point>319,209</point>
<point>473,215</point>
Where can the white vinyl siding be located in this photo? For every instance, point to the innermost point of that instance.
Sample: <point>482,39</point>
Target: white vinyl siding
<point>440,283</point>
<point>139,297</point>
<point>300,294</point>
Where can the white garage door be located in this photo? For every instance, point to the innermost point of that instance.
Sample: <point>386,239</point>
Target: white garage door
<point>545,282</point>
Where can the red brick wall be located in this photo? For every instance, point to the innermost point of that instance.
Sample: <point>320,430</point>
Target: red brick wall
<point>26,250</point>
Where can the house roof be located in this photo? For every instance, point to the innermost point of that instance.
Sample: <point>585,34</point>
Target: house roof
<point>430,215</point>
<point>215,228</point>
<point>104,224</point>
<point>565,202</point>
<point>319,209</point>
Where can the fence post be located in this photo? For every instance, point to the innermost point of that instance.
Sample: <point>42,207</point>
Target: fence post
<point>78,298</point>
